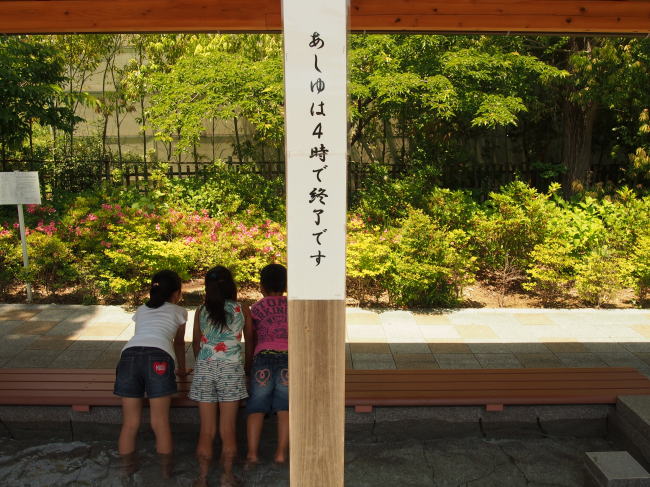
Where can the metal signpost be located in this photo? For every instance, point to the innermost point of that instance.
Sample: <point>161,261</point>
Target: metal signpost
<point>21,188</point>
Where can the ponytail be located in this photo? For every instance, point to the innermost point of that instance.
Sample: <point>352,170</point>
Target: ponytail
<point>163,285</point>
<point>219,286</point>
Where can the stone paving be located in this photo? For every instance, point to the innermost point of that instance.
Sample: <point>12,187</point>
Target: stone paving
<point>417,463</point>
<point>76,336</point>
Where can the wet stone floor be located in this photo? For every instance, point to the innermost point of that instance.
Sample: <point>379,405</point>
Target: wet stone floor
<point>475,462</point>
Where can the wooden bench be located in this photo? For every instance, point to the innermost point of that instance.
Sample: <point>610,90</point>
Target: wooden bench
<point>492,388</point>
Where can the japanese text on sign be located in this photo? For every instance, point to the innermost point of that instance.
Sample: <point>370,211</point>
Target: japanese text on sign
<point>316,98</point>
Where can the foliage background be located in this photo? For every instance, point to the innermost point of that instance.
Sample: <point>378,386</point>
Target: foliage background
<point>521,162</point>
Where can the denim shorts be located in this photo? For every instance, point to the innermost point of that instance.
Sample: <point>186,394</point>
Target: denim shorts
<point>145,370</point>
<point>269,383</point>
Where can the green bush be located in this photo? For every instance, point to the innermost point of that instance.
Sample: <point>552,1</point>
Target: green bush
<point>431,265</point>
<point>383,199</point>
<point>224,191</point>
<point>552,270</point>
<point>51,263</point>
<point>10,258</point>
<point>506,232</point>
<point>573,232</point>
<point>368,260</point>
<point>128,265</point>
<point>600,275</point>
<point>451,209</point>
<point>640,267</point>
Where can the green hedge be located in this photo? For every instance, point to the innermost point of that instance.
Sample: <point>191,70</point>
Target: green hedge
<point>107,242</point>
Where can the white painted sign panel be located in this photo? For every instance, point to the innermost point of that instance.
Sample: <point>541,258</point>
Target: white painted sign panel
<point>315,50</point>
<point>19,188</point>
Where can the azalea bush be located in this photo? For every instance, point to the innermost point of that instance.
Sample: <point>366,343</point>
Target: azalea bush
<point>107,242</point>
<point>110,248</point>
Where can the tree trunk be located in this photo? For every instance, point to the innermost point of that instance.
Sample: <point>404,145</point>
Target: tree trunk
<point>143,118</point>
<point>578,124</point>
<point>31,140</point>
<point>237,142</point>
<point>214,154</point>
<point>392,147</point>
<point>4,155</point>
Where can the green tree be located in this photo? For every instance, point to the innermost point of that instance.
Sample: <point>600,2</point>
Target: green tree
<point>214,80</point>
<point>608,79</point>
<point>30,78</point>
<point>436,88</point>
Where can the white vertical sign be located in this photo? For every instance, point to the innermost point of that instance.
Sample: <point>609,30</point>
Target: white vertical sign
<point>315,70</point>
<point>18,188</point>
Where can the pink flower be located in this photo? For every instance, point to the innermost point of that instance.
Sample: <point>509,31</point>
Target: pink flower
<point>91,217</point>
<point>49,229</point>
<point>157,227</point>
<point>107,207</point>
<point>267,249</point>
<point>31,209</point>
<point>106,244</point>
<point>16,225</point>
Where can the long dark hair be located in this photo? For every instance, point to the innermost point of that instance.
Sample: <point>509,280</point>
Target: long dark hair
<point>219,286</point>
<point>163,285</point>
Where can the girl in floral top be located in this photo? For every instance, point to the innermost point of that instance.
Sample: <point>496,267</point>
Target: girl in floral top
<point>219,382</point>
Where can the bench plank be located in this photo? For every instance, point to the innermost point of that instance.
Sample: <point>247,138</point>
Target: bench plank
<point>364,388</point>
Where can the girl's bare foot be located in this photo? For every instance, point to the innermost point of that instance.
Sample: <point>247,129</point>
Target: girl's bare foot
<point>200,482</point>
<point>229,480</point>
<point>280,458</point>
<point>251,462</point>
<point>129,463</point>
<point>166,464</point>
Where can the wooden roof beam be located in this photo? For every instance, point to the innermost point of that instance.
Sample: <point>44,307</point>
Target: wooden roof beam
<point>548,16</point>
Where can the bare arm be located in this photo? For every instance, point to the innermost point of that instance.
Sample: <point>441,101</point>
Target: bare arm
<point>249,337</point>
<point>196,333</point>
<point>179,350</point>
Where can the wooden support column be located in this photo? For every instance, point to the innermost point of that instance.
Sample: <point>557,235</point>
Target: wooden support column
<point>315,44</point>
<point>317,392</point>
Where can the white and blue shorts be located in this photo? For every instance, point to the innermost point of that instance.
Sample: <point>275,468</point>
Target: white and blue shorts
<point>218,381</point>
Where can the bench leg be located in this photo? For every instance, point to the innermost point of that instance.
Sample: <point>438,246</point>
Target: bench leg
<point>81,408</point>
<point>363,408</point>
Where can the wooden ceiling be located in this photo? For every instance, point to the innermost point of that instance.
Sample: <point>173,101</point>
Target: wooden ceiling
<point>561,16</point>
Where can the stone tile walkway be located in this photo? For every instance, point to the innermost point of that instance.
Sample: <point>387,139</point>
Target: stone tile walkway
<point>78,336</point>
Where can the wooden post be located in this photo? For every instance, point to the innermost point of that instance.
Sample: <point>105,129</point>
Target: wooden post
<point>317,392</point>
<point>315,43</point>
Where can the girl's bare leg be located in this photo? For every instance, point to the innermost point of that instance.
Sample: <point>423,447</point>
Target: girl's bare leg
<point>228,432</point>
<point>159,408</point>
<point>254,425</point>
<point>283,437</point>
<point>204,449</point>
<point>131,416</point>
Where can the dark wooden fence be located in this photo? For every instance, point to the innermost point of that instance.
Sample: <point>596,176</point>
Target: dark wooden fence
<point>478,178</point>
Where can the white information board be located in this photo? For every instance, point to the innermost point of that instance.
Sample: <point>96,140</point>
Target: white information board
<point>19,188</point>
<point>315,49</point>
